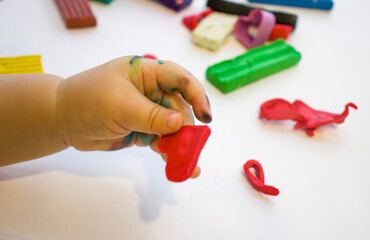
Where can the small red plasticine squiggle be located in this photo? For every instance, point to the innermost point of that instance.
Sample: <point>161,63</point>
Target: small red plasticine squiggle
<point>258,181</point>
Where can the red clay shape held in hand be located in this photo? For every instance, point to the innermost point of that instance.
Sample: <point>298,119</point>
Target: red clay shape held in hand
<point>306,117</point>
<point>183,149</point>
<point>258,180</point>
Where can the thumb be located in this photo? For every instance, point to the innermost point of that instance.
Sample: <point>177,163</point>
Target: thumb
<point>142,115</point>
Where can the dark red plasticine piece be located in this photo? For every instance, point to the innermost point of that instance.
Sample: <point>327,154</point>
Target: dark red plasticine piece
<point>76,13</point>
<point>306,117</point>
<point>191,22</point>
<point>183,149</point>
<point>150,56</point>
<point>258,181</point>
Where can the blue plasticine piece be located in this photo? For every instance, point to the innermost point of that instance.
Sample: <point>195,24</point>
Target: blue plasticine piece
<point>318,4</point>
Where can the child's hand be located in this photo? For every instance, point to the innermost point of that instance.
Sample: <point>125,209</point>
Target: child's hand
<point>130,100</point>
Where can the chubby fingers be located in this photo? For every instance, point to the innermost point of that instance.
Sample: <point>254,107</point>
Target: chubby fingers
<point>176,102</point>
<point>153,77</point>
<point>172,78</point>
<point>138,113</point>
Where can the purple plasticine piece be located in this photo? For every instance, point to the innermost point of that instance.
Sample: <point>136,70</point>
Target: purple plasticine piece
<point>176,5</point>
<point>264,21</point>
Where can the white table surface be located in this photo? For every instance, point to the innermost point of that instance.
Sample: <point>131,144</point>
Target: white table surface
<point>324,180</point>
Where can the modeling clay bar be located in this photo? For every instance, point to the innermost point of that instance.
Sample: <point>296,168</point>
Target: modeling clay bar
<point>176,5</point>
<point>183,149</point>
<point>76,13</point>
<point>255,64</point>
<point>318,4</point>
<point>213,31</point>
<point>21,64</point>
<point>241,9</point>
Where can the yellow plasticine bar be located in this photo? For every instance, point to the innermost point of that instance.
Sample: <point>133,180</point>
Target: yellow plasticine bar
<point>21,64</point>
<point>213,30</point>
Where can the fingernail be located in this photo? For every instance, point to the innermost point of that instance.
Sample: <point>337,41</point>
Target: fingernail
<point>172,119</point>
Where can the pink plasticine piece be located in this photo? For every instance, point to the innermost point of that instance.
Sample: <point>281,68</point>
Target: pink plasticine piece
<point>183,149</point>
<point>264,21</point>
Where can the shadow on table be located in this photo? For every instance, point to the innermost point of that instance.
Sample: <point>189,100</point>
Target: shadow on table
<point>144,167</point>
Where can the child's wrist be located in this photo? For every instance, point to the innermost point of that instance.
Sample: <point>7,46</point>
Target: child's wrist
<point>62,127</point>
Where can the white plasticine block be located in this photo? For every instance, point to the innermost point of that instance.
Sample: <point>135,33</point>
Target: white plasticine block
<point>213,30</point>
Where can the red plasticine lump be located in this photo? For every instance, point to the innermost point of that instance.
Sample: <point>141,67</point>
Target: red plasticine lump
<point>151,56</point>
<point>258,180</point>
<point>280,31</point>
<point>183,149</point>
<point>305,117</point>
<point>191,22</point>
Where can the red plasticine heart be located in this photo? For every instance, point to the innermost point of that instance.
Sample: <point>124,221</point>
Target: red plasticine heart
<point>258,181</point>
<point>306,117</point>
<point>183,149</point>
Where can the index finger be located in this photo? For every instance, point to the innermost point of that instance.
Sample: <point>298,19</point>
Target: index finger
<point>173,78</point>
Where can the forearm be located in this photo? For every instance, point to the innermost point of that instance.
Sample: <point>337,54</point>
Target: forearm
<point>29,126</point>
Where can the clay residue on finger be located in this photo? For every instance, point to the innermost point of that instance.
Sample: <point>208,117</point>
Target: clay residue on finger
<point>134,59</point>
<point>202,109</point>
<point>135,65</point>
<point>209,104</point>
<point>183,86</point>
<point>206,117</point>
<point>155,95</point>
<point>129,139</point>
<point>146,138</point>
<point>166,103</point>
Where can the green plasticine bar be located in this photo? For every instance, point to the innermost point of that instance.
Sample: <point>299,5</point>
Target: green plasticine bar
<point>253,65</point>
